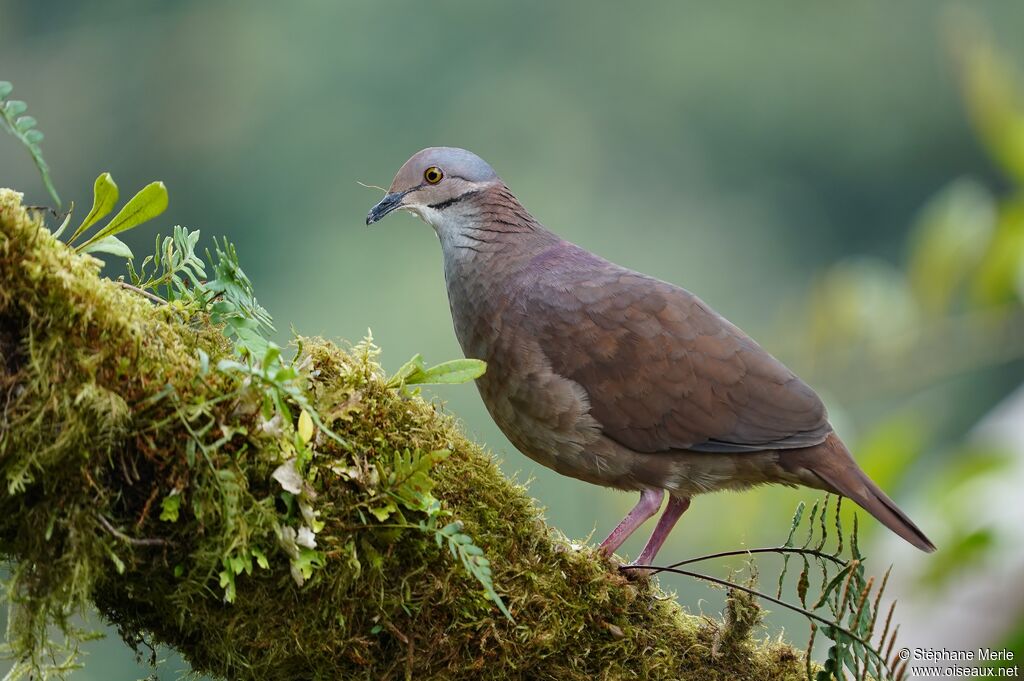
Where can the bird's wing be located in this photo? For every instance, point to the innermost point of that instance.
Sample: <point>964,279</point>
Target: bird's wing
<point>663,371</point>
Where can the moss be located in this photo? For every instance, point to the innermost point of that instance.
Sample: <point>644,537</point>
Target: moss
<point>742,616</point>
<point>107,411</point>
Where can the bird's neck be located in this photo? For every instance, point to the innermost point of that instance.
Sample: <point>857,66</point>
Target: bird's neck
<point>485,225</point>
<point>487,239</point>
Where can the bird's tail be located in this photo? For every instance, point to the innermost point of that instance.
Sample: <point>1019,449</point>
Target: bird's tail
<point>832,463</point>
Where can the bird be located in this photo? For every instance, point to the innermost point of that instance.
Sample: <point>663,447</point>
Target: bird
<point>614,377</point>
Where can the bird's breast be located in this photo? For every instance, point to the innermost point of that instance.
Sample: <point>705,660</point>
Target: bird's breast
<point>543,414</point>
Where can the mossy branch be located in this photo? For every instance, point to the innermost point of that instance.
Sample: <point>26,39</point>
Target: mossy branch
<point>142,481</point>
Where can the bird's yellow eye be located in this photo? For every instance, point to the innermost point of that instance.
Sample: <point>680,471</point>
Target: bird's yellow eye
<point>433,175</point>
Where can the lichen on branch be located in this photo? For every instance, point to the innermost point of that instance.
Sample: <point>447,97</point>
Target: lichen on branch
<point>140,478</point>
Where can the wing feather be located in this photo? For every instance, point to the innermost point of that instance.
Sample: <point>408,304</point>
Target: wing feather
<point>663,371</point>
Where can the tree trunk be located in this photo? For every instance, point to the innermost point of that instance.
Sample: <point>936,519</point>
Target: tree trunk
<point>145,480</point>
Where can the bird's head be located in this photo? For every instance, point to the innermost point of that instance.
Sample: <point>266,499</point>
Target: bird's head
<point>434,181</point>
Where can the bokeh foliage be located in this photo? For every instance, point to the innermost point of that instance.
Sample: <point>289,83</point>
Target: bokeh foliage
<point>922,337</point>
<point>734,148</point>
<point>953,310</point>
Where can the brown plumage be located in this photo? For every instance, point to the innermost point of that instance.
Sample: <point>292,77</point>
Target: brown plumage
<point>614,377</point>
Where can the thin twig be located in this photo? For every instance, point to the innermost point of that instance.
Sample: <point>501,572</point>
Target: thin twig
<point>131,540</point>
<point>743,552</point>
<point>155,298</point>
<point>409,651</point>
<point>145,509</point>
<point>53,211</point>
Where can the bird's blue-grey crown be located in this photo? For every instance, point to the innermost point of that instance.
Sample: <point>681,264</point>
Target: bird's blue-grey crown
<point>433,176</point>
<point>452,160</point>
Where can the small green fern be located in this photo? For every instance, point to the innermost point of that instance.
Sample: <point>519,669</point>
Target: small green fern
<point>175,273</point>
<point>848,596</point>
<point>14,121</point>
<point>173,266</point>
<point>406,483</point>
<point>472,556</point>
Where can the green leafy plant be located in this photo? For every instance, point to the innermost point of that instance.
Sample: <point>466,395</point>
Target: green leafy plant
<point>415,372</point>
<point>846,609</point>
<point>148,203</point>
<point>281,383</point>
<point>406,484</point>
<point>464,549</point>
<point>472,557</point>
<point>175,273</point>
<point>232,299</point>
<point>14,121</point>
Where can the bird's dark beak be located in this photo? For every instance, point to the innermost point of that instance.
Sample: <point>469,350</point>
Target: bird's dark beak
<point>386,205</point>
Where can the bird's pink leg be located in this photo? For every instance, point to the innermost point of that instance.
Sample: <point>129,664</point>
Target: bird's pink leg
<point>650,502</point>
<point>673,510</point>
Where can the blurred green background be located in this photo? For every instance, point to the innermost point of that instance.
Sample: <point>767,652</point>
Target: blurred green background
<point>843,181</point>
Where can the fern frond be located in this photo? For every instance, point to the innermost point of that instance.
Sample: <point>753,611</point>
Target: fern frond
<point>844,609</point>
<point>472,557</point>
<point>14,121</point>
